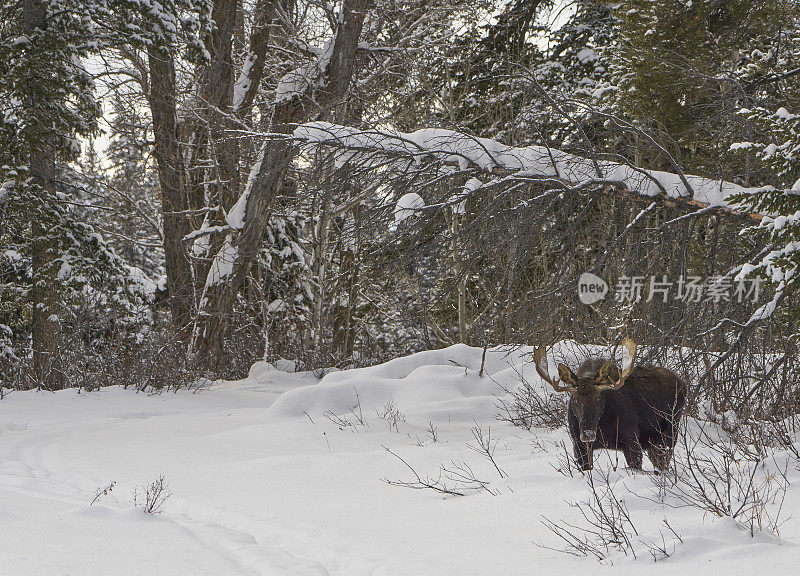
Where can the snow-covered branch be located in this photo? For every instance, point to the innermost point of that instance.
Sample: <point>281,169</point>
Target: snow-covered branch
<point>530,162</point>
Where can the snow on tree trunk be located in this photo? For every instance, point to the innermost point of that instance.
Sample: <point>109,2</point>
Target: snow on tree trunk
<point>242,243</point>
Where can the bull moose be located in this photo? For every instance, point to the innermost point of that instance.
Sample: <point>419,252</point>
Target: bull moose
<point>629,410</point>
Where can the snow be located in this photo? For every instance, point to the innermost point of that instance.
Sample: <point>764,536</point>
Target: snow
<point>201,242</point>
<point>587,55</point>
<point>782,221</point>
<point>784,114</point>
<point>524,162</point>
<point>243,82</point>
<point>407,206</point>
<point>767,310</point>
<point>65,270</point>
<point>310,75</point>
<point>222,266</point>
<point>263,483</point>
<point>473,184</point>
<point>5,187</point>
<point>236,215</point>
<point>145,284</point>
<point>12,255</point>
<point>235,218</point>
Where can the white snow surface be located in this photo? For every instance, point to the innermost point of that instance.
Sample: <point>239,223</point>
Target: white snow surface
<point>460,207</point>
<point>532,161</point>
<point>587,55</point>
<point>263,483</point>
<point>235,218</point>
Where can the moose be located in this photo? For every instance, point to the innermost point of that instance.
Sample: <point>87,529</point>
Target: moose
<point>630,410</point>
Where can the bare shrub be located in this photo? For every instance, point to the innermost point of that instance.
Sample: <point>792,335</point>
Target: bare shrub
<point>342,422</point>
<point>751,378</point>
<point>352,420</point>
<point>432,433</point>
<point>151,498</point>
<point>527,408</point>
<point>721,473</point>
<point>89,359</point>
<point>456,478</point>
<point>485,446</point>
<point>772,434</point>
<point>104,491</point>
<point>391,415</point>
<point>565,461</point>
<point>661,549</point>
<point>607,526</point>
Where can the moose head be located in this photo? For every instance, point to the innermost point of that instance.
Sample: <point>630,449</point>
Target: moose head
<point>586,388</point>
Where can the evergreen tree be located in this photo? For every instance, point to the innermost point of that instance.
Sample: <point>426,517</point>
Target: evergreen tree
<point>131,220</point>
<point>54,261</point>
<point>682,70</point>
<point>770,70</point>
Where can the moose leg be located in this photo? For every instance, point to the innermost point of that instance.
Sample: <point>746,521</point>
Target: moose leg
<point>632,451</point>
<point>584,455</point>
<point>659,456</point>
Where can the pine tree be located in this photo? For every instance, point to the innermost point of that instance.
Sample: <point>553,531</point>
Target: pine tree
<point>771,70</point>
<point>682,70</point>
<point>780,205</point>
<point>487,71</point>
<point>48,104</point>
<point>130,194</point>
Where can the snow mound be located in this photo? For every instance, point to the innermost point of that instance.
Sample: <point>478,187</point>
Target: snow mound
<point>431,385</point>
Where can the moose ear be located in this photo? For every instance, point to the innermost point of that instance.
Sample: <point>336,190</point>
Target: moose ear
<point>608,373</point>
<point>567,375</point>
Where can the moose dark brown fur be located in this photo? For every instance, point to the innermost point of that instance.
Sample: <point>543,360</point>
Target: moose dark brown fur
<point>633,410</point>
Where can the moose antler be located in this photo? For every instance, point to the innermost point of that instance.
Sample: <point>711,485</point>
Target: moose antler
<point>630,346</point>
<point>540,360</point>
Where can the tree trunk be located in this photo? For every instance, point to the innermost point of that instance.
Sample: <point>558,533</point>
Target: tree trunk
<point>234,258</point>
<point>46,324</point>
<point>46,319</point>
<point>319,269</point>
<point>231,264</point>
<point>167,152</point>
<point>460,275</point>
<point>213,177</point>
<point>219,94</point>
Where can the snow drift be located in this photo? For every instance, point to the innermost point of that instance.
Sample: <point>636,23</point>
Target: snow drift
<point>262,482</point>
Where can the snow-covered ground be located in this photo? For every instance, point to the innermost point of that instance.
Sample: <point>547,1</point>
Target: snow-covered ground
<point>262,482</point>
